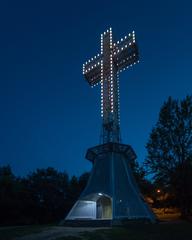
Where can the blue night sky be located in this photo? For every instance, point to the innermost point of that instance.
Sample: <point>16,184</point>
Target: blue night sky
<point>49,114</point>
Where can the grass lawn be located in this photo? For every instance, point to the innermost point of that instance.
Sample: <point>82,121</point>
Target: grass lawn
<point>168,231</point>
<point>163,231</point>
<point>9,233</point>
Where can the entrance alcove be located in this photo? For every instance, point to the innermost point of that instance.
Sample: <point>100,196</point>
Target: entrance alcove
<point>104,208</point>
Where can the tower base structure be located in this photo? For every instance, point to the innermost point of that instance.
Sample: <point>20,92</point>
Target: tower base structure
<point>111,195</point>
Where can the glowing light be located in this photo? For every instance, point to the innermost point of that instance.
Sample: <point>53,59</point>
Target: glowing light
<point>109,76</point>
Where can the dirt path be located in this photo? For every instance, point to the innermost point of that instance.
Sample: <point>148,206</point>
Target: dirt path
<point>53,233</point>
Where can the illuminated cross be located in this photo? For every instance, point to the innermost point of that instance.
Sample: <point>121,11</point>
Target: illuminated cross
<point>104,69</point>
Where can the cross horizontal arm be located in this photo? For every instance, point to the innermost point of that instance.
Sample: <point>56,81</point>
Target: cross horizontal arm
<point>127,57</point>
<point>92,70</point>
<point>125,52</point>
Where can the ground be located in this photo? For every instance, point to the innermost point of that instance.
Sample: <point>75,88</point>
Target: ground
<point>162,231</point>
<point>169,228</point>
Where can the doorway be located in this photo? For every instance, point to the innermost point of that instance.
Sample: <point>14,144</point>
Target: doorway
<point>104,208</point>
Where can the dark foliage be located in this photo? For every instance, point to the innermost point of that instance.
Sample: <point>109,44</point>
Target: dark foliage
<point>145,185</point>
<point>44,196</point>
<point>170,152</point>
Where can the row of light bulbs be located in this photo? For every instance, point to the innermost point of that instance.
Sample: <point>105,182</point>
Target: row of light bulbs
<point>101,88</point>
<point>111,77</point>
<point>122,39</point>
<point>98,63</point>
<point>118,70</point>
<point>131,65</point>
<point>122,48</point>
<point>127,59</point>
<point>90,68</point>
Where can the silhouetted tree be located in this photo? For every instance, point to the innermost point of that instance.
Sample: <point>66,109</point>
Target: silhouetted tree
<point>144,184</point>
<point>48,189</point>
<point>83,179</point>
<point>10,205</point>
<point>44,196</point>
<point>170,151</point>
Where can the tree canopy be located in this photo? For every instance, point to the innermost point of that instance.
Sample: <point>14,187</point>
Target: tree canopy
<point>44,196</point>
<point>169,150</point>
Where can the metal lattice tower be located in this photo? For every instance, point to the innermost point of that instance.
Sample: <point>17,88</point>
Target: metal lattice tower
<point>104,69</point>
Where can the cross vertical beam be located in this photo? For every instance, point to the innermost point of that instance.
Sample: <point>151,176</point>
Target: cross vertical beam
<point>109,94</point>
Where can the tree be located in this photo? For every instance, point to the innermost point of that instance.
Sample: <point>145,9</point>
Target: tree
<point>169,149</point>
<point>83,179</point>
<point>44,196</point>
<point>48,189</point>
<point>76,186</point>
<point>10,204</point>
